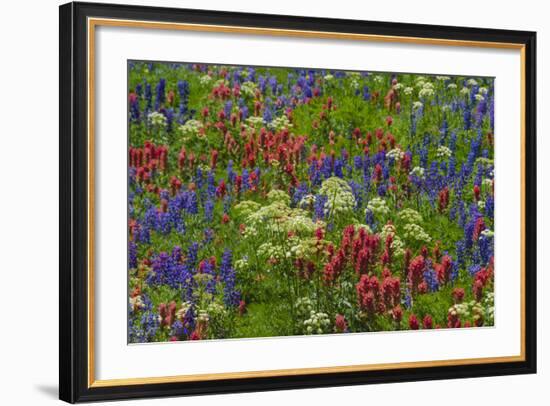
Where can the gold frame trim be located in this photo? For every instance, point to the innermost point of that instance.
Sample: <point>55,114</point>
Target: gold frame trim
<point>94,22</point>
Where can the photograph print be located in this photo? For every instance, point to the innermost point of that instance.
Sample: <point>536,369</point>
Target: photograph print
<point>271,201</point>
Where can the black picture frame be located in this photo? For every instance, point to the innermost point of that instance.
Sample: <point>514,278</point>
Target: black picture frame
<point>73,283</point>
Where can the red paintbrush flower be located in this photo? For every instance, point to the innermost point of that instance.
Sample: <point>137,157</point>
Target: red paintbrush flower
<point>477,192</point>
<point>416,272</point>
<point>443,200</point>
<point>214,158</point>
<point>458,295</point>
<point>397,314</point>
<point>413,322</point>
<point>340,324</point>
<point>427,323</point>
<point>221,189</point>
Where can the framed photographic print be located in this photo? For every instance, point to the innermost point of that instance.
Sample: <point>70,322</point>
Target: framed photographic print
<point>255,202</point>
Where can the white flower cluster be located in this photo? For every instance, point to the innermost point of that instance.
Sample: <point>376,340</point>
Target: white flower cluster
<point>278,217</point>
<point>442,78</point>
<point>426,91</point>
<point>379,78</point>
<point>299,222</point>
<point>248,89</point>
<point>280,123</point>
<point>340,198</point>
<point>254,121</point>
<point>418,172</point>
<point>216,310</point>
<point>396,153</point>
<point>398,86</point>
<point>444,152</point>
<point>354,79</point>
<point>378,207</point>
<point>471,82</point>
<point>465,91</point>
<point>483,311</point>
<point>304,306</point>
<point>483,90</point>
<point>460,309</point>
<point>205,79</point>
<point>269,251</point>
<point>479,97</point>
<point>484,161</point>
<point>452,86</point>
<point>305,248</point>
<point>397,245</point>
<point>417,105</point>
<point>246,207</point>
<point>489,307</point>
<point>241,264</point>
<point>416,233</point>
<point>276,195</point>
<point>487,183</point>
<point>318,323</point>
<point>410,216</point>
<point>408,90</point>
<point>250,232</point>
<point>157,119</point>
<point>481,205</point>
<point>203,316</point>
<point>307,201</point>
<point>420,81</point>
<point>191,128</point>
<point>328,77</point>
<point>487,233</point>
<point>136,302</point>
<point>274,211</point>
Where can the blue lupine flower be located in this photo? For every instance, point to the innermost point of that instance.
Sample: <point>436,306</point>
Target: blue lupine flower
<point>300,192</point>
<point>148,97</point>
<point>191,203</point>
<point>183,90</point>
<point>369,219</point>
<point>366,93</point>
<point>208,210</point>
<point>132,255</point>
<point>210,184</point>
<point>358,162</point>
<point>338,165</point>
<point>134,109</point>
<point>160,93</point>
<point>231,296</point>
<point>319,206</point>
<point>245,179</point>
<point>357,191</point>
<point>192,256</point>
<point>467,117</point>
<point>431,279</point>
<point>227,108</point>
<point>268,114</point>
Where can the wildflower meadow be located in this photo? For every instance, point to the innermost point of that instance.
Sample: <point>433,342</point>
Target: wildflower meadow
<point>269,201</point>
